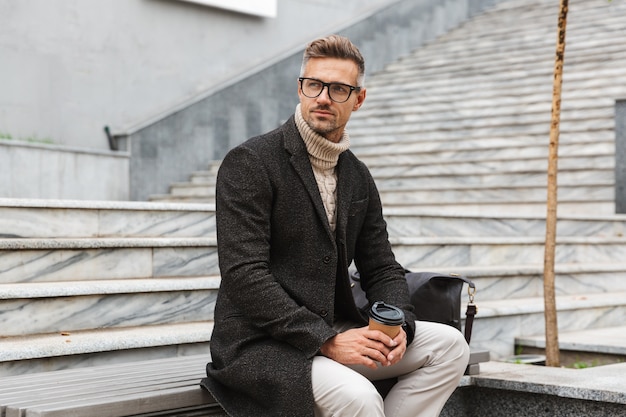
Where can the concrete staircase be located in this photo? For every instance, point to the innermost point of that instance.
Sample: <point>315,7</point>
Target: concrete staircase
<point>456,135</point>
<point>88,283</point>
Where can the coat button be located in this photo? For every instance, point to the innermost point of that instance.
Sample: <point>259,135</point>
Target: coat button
<point>323,313</point>
<point>326,259</point>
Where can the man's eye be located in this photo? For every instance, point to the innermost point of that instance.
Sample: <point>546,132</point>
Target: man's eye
<point>338,88</point>
<point>315,84</point>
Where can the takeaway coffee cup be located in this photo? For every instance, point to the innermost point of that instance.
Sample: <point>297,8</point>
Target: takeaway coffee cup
<point>386,318</point>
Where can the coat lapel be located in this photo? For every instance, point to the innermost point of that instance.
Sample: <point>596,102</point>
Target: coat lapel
<point>299,159</point>
<point>344,194</point>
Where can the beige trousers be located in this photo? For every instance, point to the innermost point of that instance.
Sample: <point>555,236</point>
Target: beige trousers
<point>427,375</point>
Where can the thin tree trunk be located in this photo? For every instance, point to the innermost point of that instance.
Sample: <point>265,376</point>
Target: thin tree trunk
<point>552,335</point>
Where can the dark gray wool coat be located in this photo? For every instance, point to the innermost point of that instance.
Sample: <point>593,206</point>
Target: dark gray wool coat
<point>279,262</point>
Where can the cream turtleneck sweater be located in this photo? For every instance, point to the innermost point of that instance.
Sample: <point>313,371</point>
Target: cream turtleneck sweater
<point>323,155</point>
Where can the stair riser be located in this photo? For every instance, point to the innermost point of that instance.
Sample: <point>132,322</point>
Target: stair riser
<point>422,256</point>
<point>493,180</point>
<point>121,356</point>
<point>438,226</point>
<point>21,222</point>
<point>599,208</point>
<point>531,285</point>
<point>423,166</point>
<point>66,314</point>
<point>117,263</point>
<point>386,158</point>
<point>497,334</point>
<point>404,192</point>
<point>431,181</point>
<point>520,195</point>
<point>192,189</point>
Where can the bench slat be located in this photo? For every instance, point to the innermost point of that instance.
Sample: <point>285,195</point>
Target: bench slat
<point>128,389</point>
<point>127,405</point>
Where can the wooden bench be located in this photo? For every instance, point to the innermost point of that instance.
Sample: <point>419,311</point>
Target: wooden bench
<point>163,387</point>
<point>138,388</point>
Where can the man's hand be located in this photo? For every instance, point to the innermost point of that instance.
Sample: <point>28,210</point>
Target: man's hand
<point>365,347</point>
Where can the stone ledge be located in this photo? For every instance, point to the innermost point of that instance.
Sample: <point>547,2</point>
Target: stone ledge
<point>102,205</point>
<point>112,286</point>
<point>603,383</point>
<point>102,243</point>
<point>610,340</point>
<point>103,340</point>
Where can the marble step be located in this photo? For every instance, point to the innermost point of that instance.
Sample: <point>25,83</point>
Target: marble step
<point>499,22</point>
<point>499,322</point>
<point>183,199</point>
<point>47,260</point>
<point>488,183</point>
<point>409,222</point>
<point>55,307</point>
<point>498,30</point>
<point>423,253</point>
<point>453,65</point>
<point>603,207</point>
<point>406,170</point>
<point>482,108</point>
<point>414,150</point>
<point>410,181</point>
<point>30,218</point>
<point>495,181</point>
<point>596,207</point>
<point>485,128</point>
<point>52,351</point>
<point>413,171</point>
<point>511,282</point>
<point>456,61</point>
<point>538,134</point>
<point>509,81</point>
<point>606,340</point>
<point>503,193</point>
<point>513,115</point>
<point>433,167</point>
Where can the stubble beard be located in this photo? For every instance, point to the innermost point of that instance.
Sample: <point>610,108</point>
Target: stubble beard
<point>321,127</point>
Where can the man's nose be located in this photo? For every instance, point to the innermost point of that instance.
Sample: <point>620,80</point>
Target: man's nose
<point>325,94</point>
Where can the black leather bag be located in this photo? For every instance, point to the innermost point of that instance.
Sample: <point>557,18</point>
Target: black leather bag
<point>435,296</point>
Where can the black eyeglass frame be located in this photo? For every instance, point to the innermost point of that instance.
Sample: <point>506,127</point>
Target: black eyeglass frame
<point>327,85</point>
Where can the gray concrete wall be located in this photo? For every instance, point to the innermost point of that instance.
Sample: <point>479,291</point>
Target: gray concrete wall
<point>168,149</point>
<point>68,68</point>
<point>30,170</point>
<point>179,82</point>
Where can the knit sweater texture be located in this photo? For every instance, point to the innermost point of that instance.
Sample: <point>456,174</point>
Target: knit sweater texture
<point>323,155</point>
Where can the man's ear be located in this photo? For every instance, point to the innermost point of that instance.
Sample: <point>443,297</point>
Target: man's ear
<point>359,99</point>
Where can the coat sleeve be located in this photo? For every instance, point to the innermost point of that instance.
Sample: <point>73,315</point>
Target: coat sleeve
<point>244,199</point>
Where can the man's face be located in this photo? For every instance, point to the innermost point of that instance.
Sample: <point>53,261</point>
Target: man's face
<point>324,116</point>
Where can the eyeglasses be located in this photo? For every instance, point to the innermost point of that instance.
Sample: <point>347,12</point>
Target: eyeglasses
<point>338,92</point>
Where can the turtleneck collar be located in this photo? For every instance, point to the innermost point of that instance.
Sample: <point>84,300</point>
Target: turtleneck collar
<point>323,153</point>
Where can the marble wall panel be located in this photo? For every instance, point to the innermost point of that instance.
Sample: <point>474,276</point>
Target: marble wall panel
<point>24,222</point>
<point>115,223</point>
<point>74,265</point>
<point>420,257</point>
<point>439,226</point>
<point>185,261</point>
<point>595,251</point>
<point>507,287</point>
<point>52,315</point>
<point>55,363</point>
<point>497,333</point>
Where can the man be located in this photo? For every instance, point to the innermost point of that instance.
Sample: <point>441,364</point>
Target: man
<point>294,209</point>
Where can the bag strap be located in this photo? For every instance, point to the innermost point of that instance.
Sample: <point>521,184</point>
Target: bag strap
<point>470,312</point>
